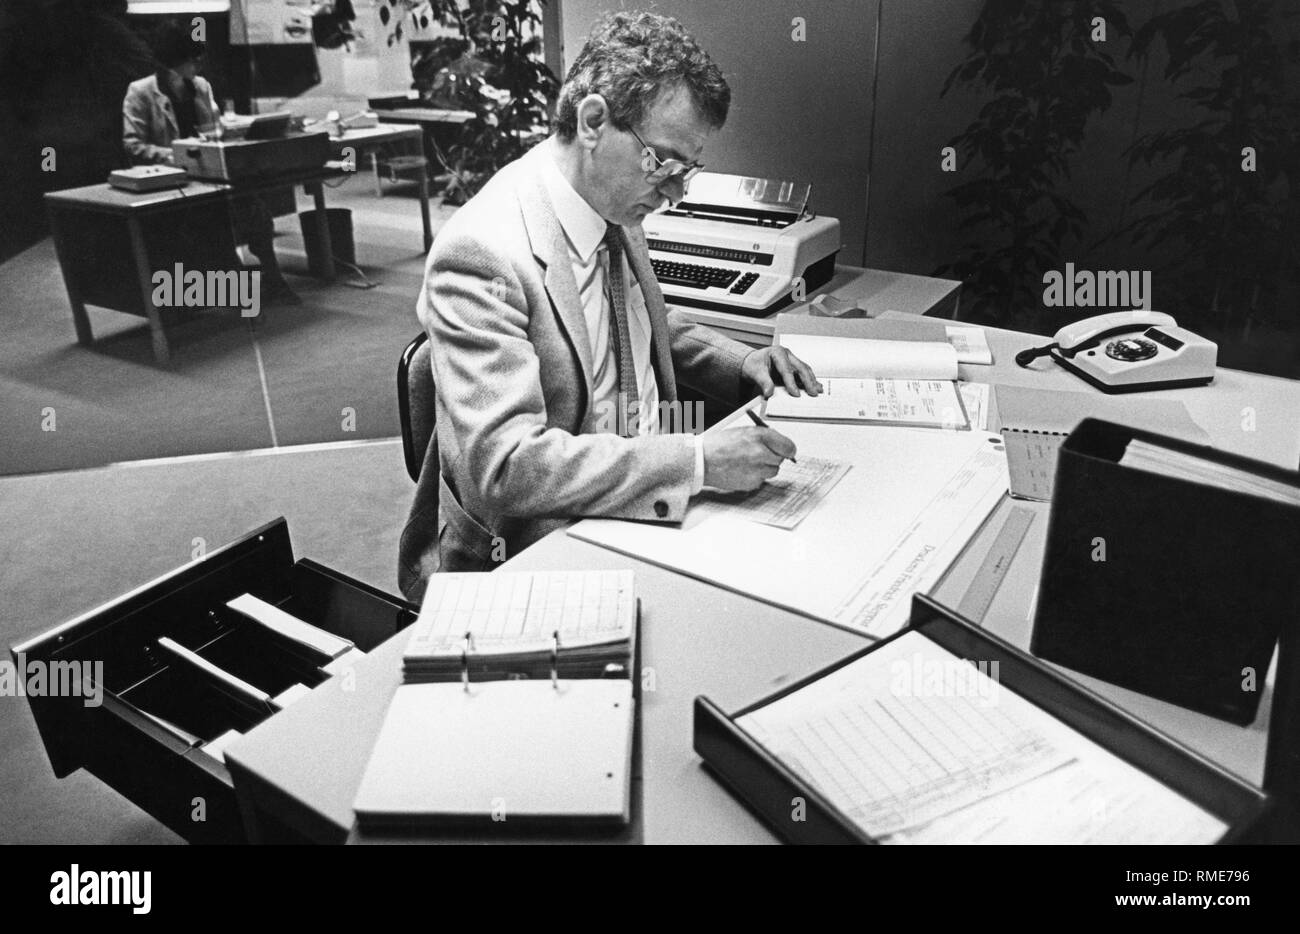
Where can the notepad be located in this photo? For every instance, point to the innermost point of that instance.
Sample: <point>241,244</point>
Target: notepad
<point>916,745</point>
<point>501,752</point>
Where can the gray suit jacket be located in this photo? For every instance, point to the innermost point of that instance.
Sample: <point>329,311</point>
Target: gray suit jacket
<point>149,121</point>
<point>511,358</point>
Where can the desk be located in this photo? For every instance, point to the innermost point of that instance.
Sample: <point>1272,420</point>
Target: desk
<point>370,140</point>
<point>189,225</point>
<point>700,639</point>
<point>873,289</point>
<point>439,127</point>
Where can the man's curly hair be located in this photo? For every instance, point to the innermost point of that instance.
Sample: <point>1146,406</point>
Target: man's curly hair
<point>629,59</point>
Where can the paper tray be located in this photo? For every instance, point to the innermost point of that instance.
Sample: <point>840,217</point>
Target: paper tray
<point>768,787</point>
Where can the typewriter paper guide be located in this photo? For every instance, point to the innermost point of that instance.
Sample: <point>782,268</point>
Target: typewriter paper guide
<point>502,749</point>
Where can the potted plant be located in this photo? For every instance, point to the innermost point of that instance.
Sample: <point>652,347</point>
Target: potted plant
<point>493,68</point>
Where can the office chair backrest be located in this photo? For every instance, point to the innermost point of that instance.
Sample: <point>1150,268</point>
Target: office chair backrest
<point>415,403</point>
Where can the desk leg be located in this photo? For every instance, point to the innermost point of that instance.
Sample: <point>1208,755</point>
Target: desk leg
<point>140,252</point>
<point>80,320</point>
<point>317,191</point>
<point>424,208</point>
<point>374,165</point>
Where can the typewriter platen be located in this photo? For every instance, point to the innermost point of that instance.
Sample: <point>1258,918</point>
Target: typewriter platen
<point>739,244</point>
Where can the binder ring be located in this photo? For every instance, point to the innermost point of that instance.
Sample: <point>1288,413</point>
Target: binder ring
<point>555,660</point>
<point>464,662</point>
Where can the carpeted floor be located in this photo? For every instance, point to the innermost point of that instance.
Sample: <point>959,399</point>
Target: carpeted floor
<point>112,402</point>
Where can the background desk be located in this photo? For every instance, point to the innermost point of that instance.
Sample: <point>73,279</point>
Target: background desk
<point>700,639</point>
<point>380,140</point>
<point>110,242</point>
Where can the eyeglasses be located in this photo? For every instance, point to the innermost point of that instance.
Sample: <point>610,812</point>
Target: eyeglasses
<point>666,169</point>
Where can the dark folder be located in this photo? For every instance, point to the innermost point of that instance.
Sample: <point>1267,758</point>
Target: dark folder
<point>1170,587</point>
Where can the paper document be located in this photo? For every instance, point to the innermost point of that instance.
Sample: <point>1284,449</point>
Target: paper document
<point>888,359</point>
<point>919,746</point>
<point>1031,462</point>
<point>975,397</point>
<point>1158,459</point>
<point>971,344</point>
<point>888,528</point>
<point>784,500</point>
<point>912,403</point>
<point>1035,423</point>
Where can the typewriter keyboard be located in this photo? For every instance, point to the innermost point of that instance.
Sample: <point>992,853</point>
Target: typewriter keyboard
<point>692,275</point>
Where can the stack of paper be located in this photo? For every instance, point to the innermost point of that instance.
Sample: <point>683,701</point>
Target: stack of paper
<point>1156,458</point>
<point>511,625</point>
<point>919,746</point>
<point>905,383</point>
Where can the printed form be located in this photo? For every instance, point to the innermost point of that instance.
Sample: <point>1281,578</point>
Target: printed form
<point>784,500</point>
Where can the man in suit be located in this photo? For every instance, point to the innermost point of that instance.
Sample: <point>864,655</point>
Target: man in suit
<point>555,361</point>
<point>176,103</point>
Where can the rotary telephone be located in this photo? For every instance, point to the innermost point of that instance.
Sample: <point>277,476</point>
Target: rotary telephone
<point>1130,351</point>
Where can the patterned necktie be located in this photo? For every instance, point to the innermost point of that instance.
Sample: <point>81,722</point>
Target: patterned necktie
<point>629,397</point>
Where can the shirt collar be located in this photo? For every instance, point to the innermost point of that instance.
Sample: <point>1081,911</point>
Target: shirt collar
<point>584,228</point>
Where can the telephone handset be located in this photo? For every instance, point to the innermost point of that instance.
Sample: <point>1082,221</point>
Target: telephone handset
<point>1128,351</point>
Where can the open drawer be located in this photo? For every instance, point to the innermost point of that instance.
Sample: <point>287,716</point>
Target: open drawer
<point>170,673</point>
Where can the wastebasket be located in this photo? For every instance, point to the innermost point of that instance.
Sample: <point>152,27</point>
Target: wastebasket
<point>341,241</point>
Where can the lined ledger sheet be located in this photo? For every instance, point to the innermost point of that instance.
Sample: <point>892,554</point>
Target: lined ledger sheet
<point>784,500</point>
<point>918,746</point>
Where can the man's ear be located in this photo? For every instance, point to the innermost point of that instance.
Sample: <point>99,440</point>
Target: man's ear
<point>593,118</point>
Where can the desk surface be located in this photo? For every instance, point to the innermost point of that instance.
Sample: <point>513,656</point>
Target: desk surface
<point>87,536</point>
<point>699,639</point>
<point>368,136</point>
<point>423,115</point>
<point>105,198</point>
<point>876,290</point>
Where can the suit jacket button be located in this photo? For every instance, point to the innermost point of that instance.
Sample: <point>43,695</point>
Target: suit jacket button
<point>661,508</point>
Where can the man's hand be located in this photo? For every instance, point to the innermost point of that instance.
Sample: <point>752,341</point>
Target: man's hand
<point>742,458</point>
<point>761,366</point>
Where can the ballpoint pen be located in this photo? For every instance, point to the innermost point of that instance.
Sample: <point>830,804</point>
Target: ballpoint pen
<point>753,416</point>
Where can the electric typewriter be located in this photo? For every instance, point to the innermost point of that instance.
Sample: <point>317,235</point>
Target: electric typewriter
<point>740,244</point>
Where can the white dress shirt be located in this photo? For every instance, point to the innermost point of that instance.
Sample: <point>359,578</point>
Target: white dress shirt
<point>584,233</point>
